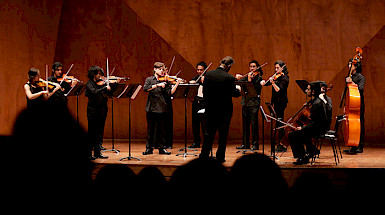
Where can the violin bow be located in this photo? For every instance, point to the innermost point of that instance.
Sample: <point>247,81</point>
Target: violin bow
<point>108,75</point>
<point>66,73</point>
<point>172,63</point>
<point>204,72</point>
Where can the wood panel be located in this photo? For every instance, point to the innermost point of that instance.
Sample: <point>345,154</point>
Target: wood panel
<point>315,39</point>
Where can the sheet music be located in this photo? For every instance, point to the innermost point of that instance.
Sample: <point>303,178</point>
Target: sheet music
<point>200,91</point>
<point>136,92</point>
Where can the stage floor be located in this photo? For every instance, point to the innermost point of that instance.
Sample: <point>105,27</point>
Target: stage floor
<point>373,156</point>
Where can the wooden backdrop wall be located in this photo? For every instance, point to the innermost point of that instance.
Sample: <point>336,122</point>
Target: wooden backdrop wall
<point>315,39</point>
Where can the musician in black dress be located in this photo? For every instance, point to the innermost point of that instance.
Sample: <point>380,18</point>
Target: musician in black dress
<point>157,108</point>
<point>250,107</point>
<point>318,125</point>
<point>218,90</point>
<point>279,98</point>
<point>96,109</point>
<point>37,95</point>
<point>198,119</point>
<point>358,79</point>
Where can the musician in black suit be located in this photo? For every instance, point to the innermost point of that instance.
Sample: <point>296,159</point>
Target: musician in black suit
<point>318,125</point>
<point>218,90</point>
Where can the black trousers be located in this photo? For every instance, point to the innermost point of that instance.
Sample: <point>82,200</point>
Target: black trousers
<point>198,120</point>
<point>216,122</point>
<point>298,139</point>
<point>96,121</point>
<point>156,130</point>
<point>250,117</point>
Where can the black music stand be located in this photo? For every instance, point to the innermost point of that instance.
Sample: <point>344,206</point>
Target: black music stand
<point>185,91</point>
<point>116,90</point>
<point>263,114</point>
<point>272,136</point>
<point>130,92</point>
<point>76,90</point>
<point>247,90</point>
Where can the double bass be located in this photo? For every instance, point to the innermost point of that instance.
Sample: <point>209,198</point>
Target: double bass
<point>352,107</point>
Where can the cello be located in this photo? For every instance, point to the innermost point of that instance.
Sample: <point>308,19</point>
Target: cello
<point>352,107</point>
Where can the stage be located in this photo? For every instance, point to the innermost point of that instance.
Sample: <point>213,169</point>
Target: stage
<point>372,158</point>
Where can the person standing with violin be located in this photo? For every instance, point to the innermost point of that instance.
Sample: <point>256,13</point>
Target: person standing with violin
<point>359,79</point>
<point>97,109</point>
<point>36,89</point>
<point>218,89</point>
<point>250,107</point>
<point>317,125</point>
<point>279,100</point>
<point>59,98</point>
<point>198,119</point>
<point>158,105</point>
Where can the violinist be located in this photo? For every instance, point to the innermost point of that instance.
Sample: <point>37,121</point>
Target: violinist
<point>359,79</point>
<point>96,110</point>
<point>280,83</point>
<point>36,91</point>
<point>317,126</point>
<point>198,119</point>
<point>250,107</point>
<point>59,98</point>
<point>157,109</point>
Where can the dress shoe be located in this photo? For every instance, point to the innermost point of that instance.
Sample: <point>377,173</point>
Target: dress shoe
<point>301,161</point>
<point>148,152</point>
<point>255,147</point>
<point>101,156</point>
<point>243,147</point>
<point>195,145</point>
<point>164,152</point>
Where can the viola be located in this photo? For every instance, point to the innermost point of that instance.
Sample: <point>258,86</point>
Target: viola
<point>256,72</point>
<point>112,80</point>
<point>43,83</point>
<point>171,79</point>
<point>68,79</point>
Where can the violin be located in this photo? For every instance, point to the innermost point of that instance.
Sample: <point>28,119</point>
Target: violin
<point>43,83</point>
<point>68,79</point>
<point>112,80</point>
<point>277,74</point>
<point>253,74</point>
<point>171,79</point>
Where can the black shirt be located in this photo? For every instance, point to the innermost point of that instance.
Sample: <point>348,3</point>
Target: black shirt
<point>250,100</point>
<point>318,123</point>
<point>96,94</point>
<point>218,90</point>
<point>37,102</point>
<point>280,97</point>
<point>59,96</point>
<point>159,99</point>
<point>359,79</point>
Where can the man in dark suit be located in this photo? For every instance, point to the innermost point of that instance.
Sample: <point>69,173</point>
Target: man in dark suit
<point>218,90</point>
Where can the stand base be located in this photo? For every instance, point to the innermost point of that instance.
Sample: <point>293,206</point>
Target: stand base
<point>184,149</point>
<point>130,158</point>
<point>184,154</point>
<point>246,150</point>
<point>111,150</point>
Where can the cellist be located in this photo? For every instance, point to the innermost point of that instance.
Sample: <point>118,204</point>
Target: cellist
<point>318,125</point>
<point>359,79</point>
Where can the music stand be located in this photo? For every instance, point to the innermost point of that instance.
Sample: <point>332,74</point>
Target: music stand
<point>76,90</point>
<point>130,92</point>
<point>116,90</point>
<point>185,91</point>
<point>248,90</point>
<point>263,114</point>
<point>272,136</point>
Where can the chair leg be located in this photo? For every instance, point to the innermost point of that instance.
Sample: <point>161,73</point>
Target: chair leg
<point>335,153</point>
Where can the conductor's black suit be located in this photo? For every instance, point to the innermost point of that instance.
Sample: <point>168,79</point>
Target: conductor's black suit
<point>218,90</point>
